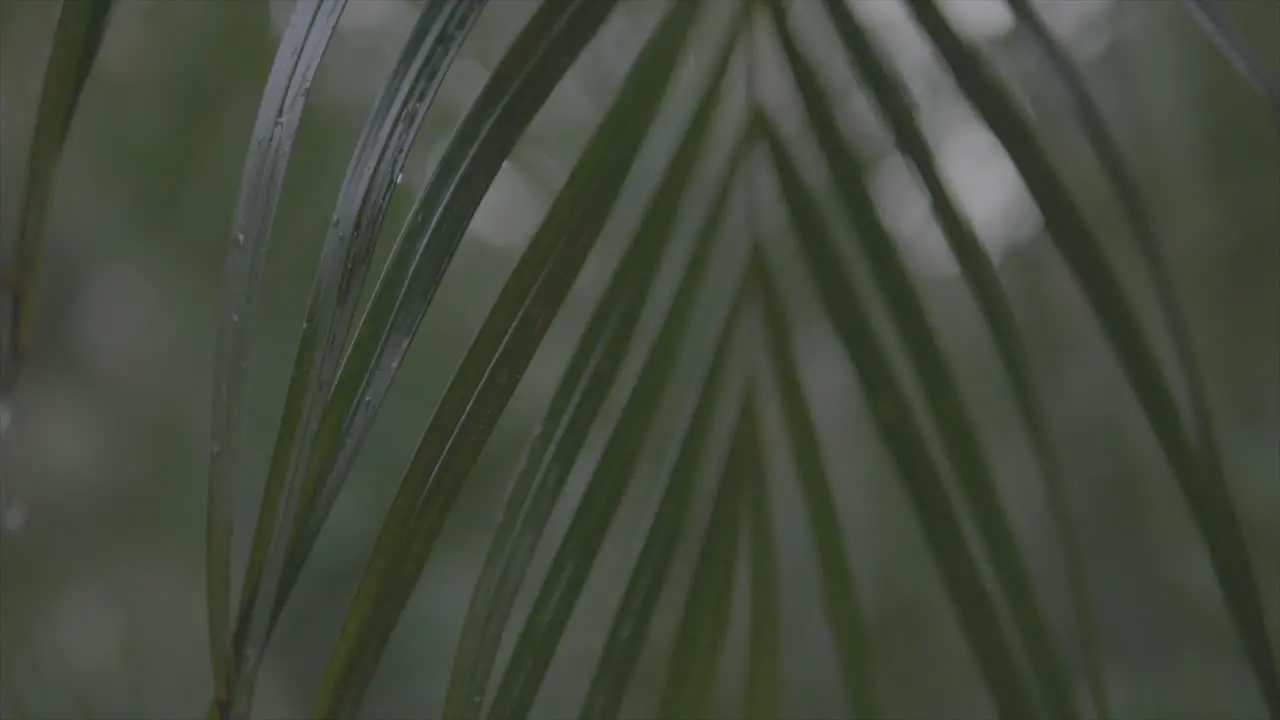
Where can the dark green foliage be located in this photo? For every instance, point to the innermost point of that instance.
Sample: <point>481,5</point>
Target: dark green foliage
<point>727,348</point>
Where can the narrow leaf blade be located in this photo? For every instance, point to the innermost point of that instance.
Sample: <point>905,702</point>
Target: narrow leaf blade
<point>704,625</point>
<point>902,435</point>
<point>632,620</point>
<point>995,307</point>
<point>844,607</point>
<point>262,179</point>
<point>763,646</point>
<point>372,176</point>
<point>76,39</point>
<point>1204,488</point>
<point>953,419</point>
<point>494,364</point>
<point>574,406</point>
<point>515,91</point>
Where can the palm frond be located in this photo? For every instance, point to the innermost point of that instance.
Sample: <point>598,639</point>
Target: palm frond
<point>494,364</point>
<point>700,640</point>
<point>425,246</point>
<point>979,271</point>
<point>335,414</point>
<point>954,420</point>
<point>902,434</point>
<point>279,115</point>
<point>1076,95</point>
<point>728,331</point>
<point>560,589</point>
<point>845,607</point>
<point>286,531</point>
<point>1202,483</point>
<point>374,173</point>
<point>577,401</point>
<point>371,362</point>
<point>633,618</point>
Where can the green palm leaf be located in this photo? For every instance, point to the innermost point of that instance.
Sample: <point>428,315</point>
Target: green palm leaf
<point>508,102</point>
<point>560,589</point>
<point>845,608</point>
<point>76,39</point>
<point>375,172</point>
<point>635,612</point>
<point>902,434</point>
<point>279,114</point>
<point>577,401</point>
<point>700,639</point>
<point>996,309</point>
<point>726,363</point>
<point>493,366</point>
<point>1202,483</point>
<point>953,418</point>
<point>373,175</point>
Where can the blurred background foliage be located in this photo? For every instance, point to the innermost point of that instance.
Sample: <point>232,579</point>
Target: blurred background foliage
<point>104,462</point>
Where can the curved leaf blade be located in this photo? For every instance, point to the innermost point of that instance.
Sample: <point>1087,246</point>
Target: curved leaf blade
<point>901,433</point>
<point>1141,224</point>
<point>494,364</point>
<point>953,418</point>
<point>76,39</point>
<point>515,91</point>
<point>1125,186</point>
<point>563,584</point>
<point>980,274</point>
<point>763,645</point>
<point>845,611</point>
<point>635,612</point>
<point>372,176</point>
<point>997,311</point>
<point>574,406</point>
<point>704,625</point>
<point>1203,486</point>
<point>262,179</point>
